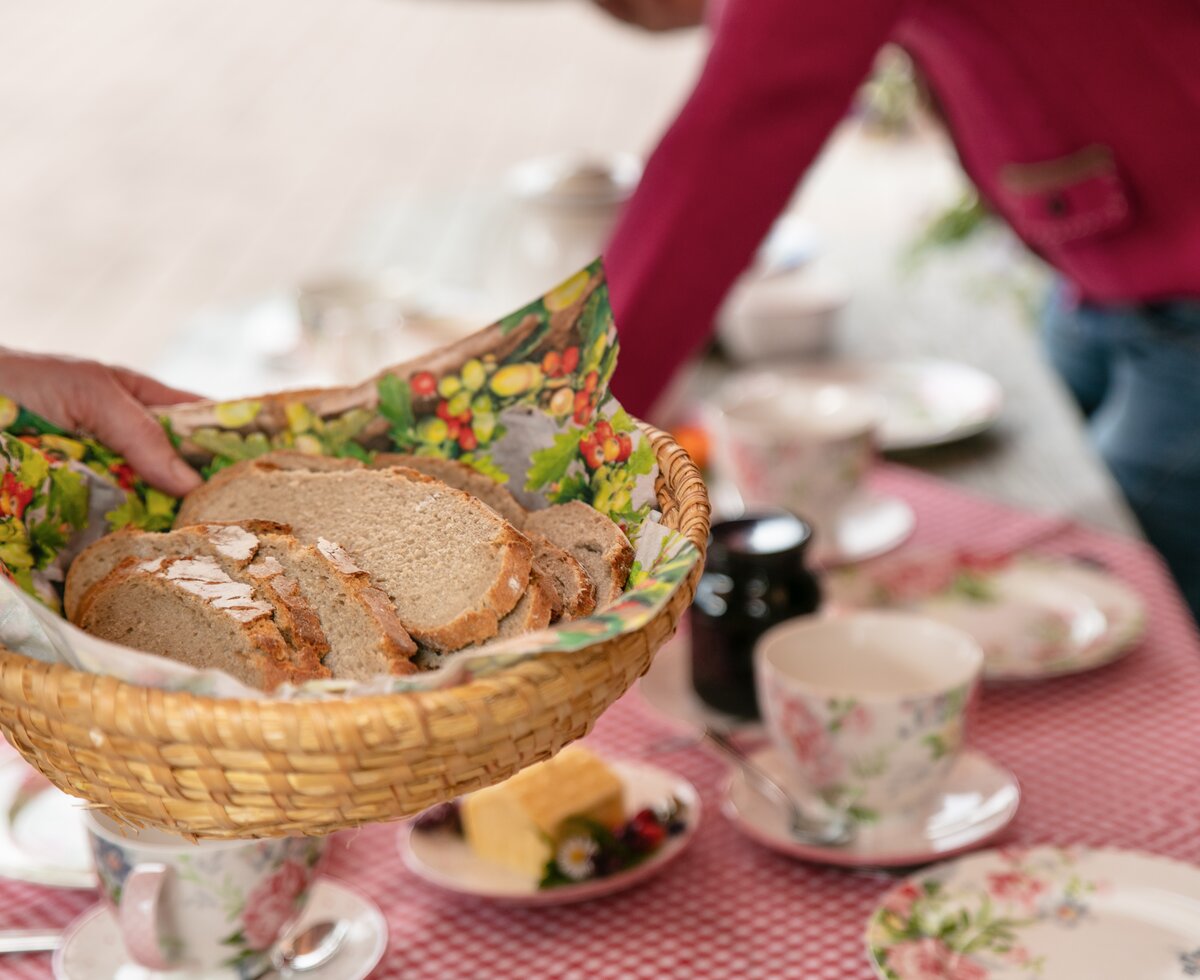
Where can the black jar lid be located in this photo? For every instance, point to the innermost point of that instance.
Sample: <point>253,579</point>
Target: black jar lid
<point>760,538</point>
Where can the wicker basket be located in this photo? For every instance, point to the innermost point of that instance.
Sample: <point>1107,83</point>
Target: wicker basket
<point>231,769</point>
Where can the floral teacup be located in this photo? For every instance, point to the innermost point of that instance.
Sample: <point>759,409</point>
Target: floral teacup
<point>869,708</point>
<point>797,443</point>
<point>200,906</point>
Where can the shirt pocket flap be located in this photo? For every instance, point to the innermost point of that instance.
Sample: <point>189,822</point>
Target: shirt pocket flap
<point>1052,202</point>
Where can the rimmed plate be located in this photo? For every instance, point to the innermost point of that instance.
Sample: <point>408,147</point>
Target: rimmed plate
<point>869,525</point>
<point>1046,913</point>
<point>92,948</point>
<point>927,402</point>
<point>1034,617</point>
<point>443,858</point>
<point>978,799</point>
<point>42,839</point>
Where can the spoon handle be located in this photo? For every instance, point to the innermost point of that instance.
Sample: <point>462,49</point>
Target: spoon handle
<point>29,940</point>
<point>727,745</point>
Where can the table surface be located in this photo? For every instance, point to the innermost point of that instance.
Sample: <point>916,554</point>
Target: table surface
<point>1104,759</point>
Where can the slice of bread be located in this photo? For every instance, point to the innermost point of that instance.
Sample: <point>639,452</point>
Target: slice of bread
<point>235,544</point>
<point>451,565</point>
<point>593,540</point>
<point>366,638</point>
<point>575,591</point>
<point>461,477</point>
<point>359,621</point>
<point>295,619</point>
<point>188,609</point>
<point>533,612</point>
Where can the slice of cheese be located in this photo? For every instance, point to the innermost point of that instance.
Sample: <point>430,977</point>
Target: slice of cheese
<point>518,823</point>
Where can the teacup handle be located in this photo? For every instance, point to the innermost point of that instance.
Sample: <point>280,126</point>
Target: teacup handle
<point>137,914</point>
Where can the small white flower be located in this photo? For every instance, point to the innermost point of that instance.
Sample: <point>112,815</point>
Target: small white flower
<point>575,857</point>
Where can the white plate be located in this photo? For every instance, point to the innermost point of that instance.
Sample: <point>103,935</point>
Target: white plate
<point>92,947</point>
<point>42,839</point>
<point>1034,617</point>
<point>870,525</point>
<point>1042,914</point>
<point>443,858</point>
<point>978,800</point>
<point>927,402</point>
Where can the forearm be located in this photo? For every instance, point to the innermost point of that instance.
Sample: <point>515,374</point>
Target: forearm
<point>778,78</point>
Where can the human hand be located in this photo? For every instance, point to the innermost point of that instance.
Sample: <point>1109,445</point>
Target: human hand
<point>106,402</point>
<point>655,15</point>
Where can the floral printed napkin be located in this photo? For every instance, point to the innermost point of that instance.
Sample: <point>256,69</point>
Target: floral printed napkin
<point>524,401</point>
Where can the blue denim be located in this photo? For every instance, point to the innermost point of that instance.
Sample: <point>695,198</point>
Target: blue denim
<point>1135,372</point>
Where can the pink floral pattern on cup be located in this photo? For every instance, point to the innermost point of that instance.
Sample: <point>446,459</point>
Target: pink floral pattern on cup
<point>870,759</point>
<point>273,904</point>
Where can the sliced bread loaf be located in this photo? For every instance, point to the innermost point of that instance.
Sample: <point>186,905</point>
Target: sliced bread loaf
<point>593,540</point>
<point>359,621</point>
<point>462,477</point>
<point>235,544</point>
<point>575,591</point>
<point>188,609</point>
<point>366,638</point>
<point>451,565</point>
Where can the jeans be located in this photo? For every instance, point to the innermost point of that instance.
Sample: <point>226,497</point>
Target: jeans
<point>1135,372</point>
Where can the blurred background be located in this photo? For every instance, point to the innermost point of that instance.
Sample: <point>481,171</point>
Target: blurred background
<point>174,172</point>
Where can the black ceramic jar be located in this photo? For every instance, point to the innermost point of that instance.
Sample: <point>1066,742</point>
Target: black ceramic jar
<point>754,577</point>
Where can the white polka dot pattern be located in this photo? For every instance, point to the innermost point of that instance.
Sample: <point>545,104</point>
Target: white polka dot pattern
<point>1106,758</point>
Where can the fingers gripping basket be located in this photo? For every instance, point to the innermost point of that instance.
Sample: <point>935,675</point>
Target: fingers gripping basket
<point>220,768</point>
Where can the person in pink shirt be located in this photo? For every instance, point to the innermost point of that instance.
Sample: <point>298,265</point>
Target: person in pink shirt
<point>1078,123</point>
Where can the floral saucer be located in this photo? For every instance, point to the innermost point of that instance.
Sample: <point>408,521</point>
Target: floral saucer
<point>1041,913</point>
<point>978,800</point>
<point>92,947</point>
<point>42,839</point>
<point>1034,617</point>
<point>869,525</point>
<point>443,858</point>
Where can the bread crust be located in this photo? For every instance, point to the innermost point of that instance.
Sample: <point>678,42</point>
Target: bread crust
<point>577,595</point>
<point>618,553</point>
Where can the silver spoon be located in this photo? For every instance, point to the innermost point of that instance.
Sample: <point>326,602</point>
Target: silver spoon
<point>833,831</point>
<point>29,940</point>
<point>313,946</point>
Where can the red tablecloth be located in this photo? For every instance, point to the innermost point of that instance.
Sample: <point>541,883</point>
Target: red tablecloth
<point>1106,758</point>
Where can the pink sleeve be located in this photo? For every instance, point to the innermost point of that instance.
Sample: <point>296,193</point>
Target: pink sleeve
<point>778,78</point>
